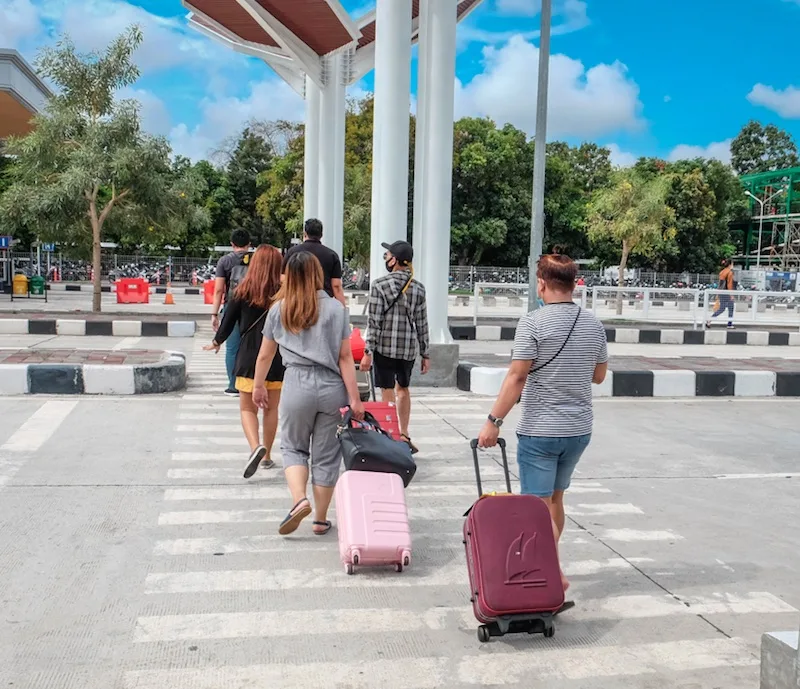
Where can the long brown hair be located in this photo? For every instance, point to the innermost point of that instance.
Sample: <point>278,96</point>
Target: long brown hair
<point>298,294</point>
<point>263,278</point>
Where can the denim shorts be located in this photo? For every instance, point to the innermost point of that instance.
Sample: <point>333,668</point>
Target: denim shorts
<point>546,464</point>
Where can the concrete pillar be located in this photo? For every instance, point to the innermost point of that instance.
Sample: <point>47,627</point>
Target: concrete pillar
<point>311,152</point>
<point>420,135</point>
<point>390,137</point>
<point>338,159</point>
<point>438,161</point>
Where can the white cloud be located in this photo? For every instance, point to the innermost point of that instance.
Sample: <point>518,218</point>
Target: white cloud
<point>586,103</point>
<point>270,99</point>
<point>719,150</point>
<point>153,111</point>
<point>20,20</point>
<point>621,158</point>
<point>568,16</point>
<point>785,102</point>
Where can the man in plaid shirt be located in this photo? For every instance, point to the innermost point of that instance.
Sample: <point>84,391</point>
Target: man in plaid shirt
<point>397,326</point>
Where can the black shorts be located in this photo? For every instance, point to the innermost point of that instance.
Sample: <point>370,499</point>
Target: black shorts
<point>388,371</point>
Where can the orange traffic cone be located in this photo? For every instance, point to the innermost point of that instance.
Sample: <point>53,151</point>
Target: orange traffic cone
<point>168,298</point>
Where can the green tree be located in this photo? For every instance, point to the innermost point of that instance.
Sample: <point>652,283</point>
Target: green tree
<point>357,218</point>
<point>760,149</point>
<point>87,162</point>
<point>251,157</point>
<point>633,212</point>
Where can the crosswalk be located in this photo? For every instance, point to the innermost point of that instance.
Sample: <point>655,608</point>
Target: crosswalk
<point>228,603</point>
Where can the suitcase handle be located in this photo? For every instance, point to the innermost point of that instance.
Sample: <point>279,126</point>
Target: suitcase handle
<point>501,442</point>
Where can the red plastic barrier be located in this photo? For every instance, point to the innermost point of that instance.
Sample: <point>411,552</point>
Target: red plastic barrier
<point>357,345</point>
<point>208,291</point>
<point>133,291</point>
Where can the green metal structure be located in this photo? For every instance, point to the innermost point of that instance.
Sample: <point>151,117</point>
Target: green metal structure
<point>775,216</point>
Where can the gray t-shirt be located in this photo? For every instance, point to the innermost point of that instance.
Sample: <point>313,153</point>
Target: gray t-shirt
<point>320,344</point>
<point>557,401</point>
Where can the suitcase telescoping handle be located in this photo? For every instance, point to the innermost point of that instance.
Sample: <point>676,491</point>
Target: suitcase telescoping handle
<point>502,444</point>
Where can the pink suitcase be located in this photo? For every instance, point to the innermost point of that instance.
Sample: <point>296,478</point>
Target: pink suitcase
<point>372,520</point>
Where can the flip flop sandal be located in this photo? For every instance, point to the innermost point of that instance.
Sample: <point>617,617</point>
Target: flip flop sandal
<point>293,519</point>
<point>255,458</point>
<point>407,440</point>
<point>327,526</point>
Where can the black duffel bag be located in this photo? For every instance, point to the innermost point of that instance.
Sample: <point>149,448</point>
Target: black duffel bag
<point>367,447</point>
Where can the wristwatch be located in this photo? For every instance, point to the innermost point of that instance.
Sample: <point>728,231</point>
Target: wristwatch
<point>497,422</point>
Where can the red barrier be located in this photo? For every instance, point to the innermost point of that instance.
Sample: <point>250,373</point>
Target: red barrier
<point>133,291</point>
<point>357,345</point>
<point>208,291</point>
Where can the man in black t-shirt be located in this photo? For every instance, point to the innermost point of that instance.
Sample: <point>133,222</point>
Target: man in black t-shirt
<point>331,265</point>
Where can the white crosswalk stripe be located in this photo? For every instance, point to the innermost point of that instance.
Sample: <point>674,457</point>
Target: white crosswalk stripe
<point>232,581</point>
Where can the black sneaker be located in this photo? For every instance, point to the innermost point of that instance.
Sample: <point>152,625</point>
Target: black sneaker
<point>253,461</point>
<point>232,392</point>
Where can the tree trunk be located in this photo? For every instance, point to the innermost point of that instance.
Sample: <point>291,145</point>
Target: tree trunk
<point>623,262</point>
<point>96,267</point>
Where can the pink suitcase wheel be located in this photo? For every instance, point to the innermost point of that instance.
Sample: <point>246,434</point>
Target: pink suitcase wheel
<point>356,557</point>
<point>406,559</point>
<point>398,567</point>
<point>349,568</point>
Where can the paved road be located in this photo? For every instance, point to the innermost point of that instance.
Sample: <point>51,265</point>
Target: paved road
<point>133,555</point>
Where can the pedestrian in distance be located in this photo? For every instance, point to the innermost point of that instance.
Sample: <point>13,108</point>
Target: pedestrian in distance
<point>397,329</point>
<point>559,351</point>
<point>328,259</point>
<point>231,270</point>
<point>312,332</point>
<point>726,282</point>
<point>246,312</point>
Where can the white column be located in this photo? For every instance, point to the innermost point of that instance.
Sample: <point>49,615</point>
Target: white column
<point>311,152</point>
<point>437,199</point>
<point>421,135</point>
<point>337,241</point>
<point>390,138</point>
<point>327,153</point>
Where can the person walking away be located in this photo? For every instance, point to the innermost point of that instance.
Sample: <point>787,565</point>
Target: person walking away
<point>397,325</point>
<point>328,258</point>
<point>726,282</point>
<point>312,332</point>
<point>231,270</point>
<point>559,351</point>
<point>247,311</point>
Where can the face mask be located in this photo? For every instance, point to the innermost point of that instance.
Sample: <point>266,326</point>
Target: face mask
<point>389,266</point>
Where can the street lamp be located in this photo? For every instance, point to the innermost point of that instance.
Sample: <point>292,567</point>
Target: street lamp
<point>761,218</point>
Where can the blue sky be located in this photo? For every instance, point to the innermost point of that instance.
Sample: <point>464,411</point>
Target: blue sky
<point>658,78</point>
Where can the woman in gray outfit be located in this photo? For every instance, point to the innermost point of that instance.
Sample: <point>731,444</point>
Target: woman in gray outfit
<point>313,333</point>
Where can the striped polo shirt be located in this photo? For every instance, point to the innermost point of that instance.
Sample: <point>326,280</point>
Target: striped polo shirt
<point>557,401</point>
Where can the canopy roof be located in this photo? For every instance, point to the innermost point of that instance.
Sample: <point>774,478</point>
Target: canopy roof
<point>22,94</point>
<point>293,36</point>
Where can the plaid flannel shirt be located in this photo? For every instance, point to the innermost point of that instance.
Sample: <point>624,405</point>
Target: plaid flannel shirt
<point>397,331</point>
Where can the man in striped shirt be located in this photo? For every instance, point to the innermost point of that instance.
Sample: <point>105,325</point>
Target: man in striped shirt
<point>559,351</point>
<point>397,328</point>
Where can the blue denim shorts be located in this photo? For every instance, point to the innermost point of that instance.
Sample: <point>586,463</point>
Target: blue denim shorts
<point>546,464</point>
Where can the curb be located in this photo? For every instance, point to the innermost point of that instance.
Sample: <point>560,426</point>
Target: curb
<point>761,338</point>
<point>168,375</point>
<point>486,380</point>
<point>154,289</point>
<point>67,326</point>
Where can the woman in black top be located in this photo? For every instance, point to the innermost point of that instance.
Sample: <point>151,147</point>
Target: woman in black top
<point>248,307</point>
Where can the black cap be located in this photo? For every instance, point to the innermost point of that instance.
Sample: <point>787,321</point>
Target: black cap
<point>401,250</point>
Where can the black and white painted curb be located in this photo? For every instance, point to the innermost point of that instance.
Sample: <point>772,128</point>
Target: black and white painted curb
<point>486,380</point>
<point>761,338</point>
<point>69,326</point>
<point>90,379</point>
<point>154,289</point>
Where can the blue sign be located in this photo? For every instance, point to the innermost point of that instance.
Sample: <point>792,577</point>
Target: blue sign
<point>48,247</point>
<point>5,242</point>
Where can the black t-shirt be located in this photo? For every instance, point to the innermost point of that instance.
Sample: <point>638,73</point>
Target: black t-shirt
<point>331,265</point>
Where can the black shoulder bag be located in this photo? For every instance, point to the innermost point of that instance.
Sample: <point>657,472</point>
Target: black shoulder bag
<point>564,344</point>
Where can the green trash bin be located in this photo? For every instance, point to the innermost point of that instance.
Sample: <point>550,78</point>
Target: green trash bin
<point>37,286</point>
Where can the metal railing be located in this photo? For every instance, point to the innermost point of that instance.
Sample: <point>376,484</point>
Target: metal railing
<point>644,304</point>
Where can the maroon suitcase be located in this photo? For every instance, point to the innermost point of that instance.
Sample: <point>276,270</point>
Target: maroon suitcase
<point>512,559</point>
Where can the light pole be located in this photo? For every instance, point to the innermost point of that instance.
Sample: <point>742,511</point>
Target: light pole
<point>761,218</point>
<point>539,158</point>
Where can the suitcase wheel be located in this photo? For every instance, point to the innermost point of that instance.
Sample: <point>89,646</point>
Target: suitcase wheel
<point>406,559</point>
<point>349,568</point>
<point>398,567</point>
<point>355,557</point>
<point>484,634</point>
<point>549,632</point>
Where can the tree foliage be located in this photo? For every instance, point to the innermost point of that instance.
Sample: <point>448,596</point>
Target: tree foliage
<point>760,148</point>
<point>87,166</point>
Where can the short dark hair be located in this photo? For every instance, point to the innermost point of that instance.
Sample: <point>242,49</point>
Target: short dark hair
<point>240,238</point>
<point>313,228</point>
<point>558,271</point>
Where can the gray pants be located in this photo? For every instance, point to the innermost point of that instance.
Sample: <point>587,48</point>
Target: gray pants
<point>309,412</point>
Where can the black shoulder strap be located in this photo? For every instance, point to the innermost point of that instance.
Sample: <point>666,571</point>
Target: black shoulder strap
<point>256,322</point>
<point>563,344</point>
<point>399,294</point>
